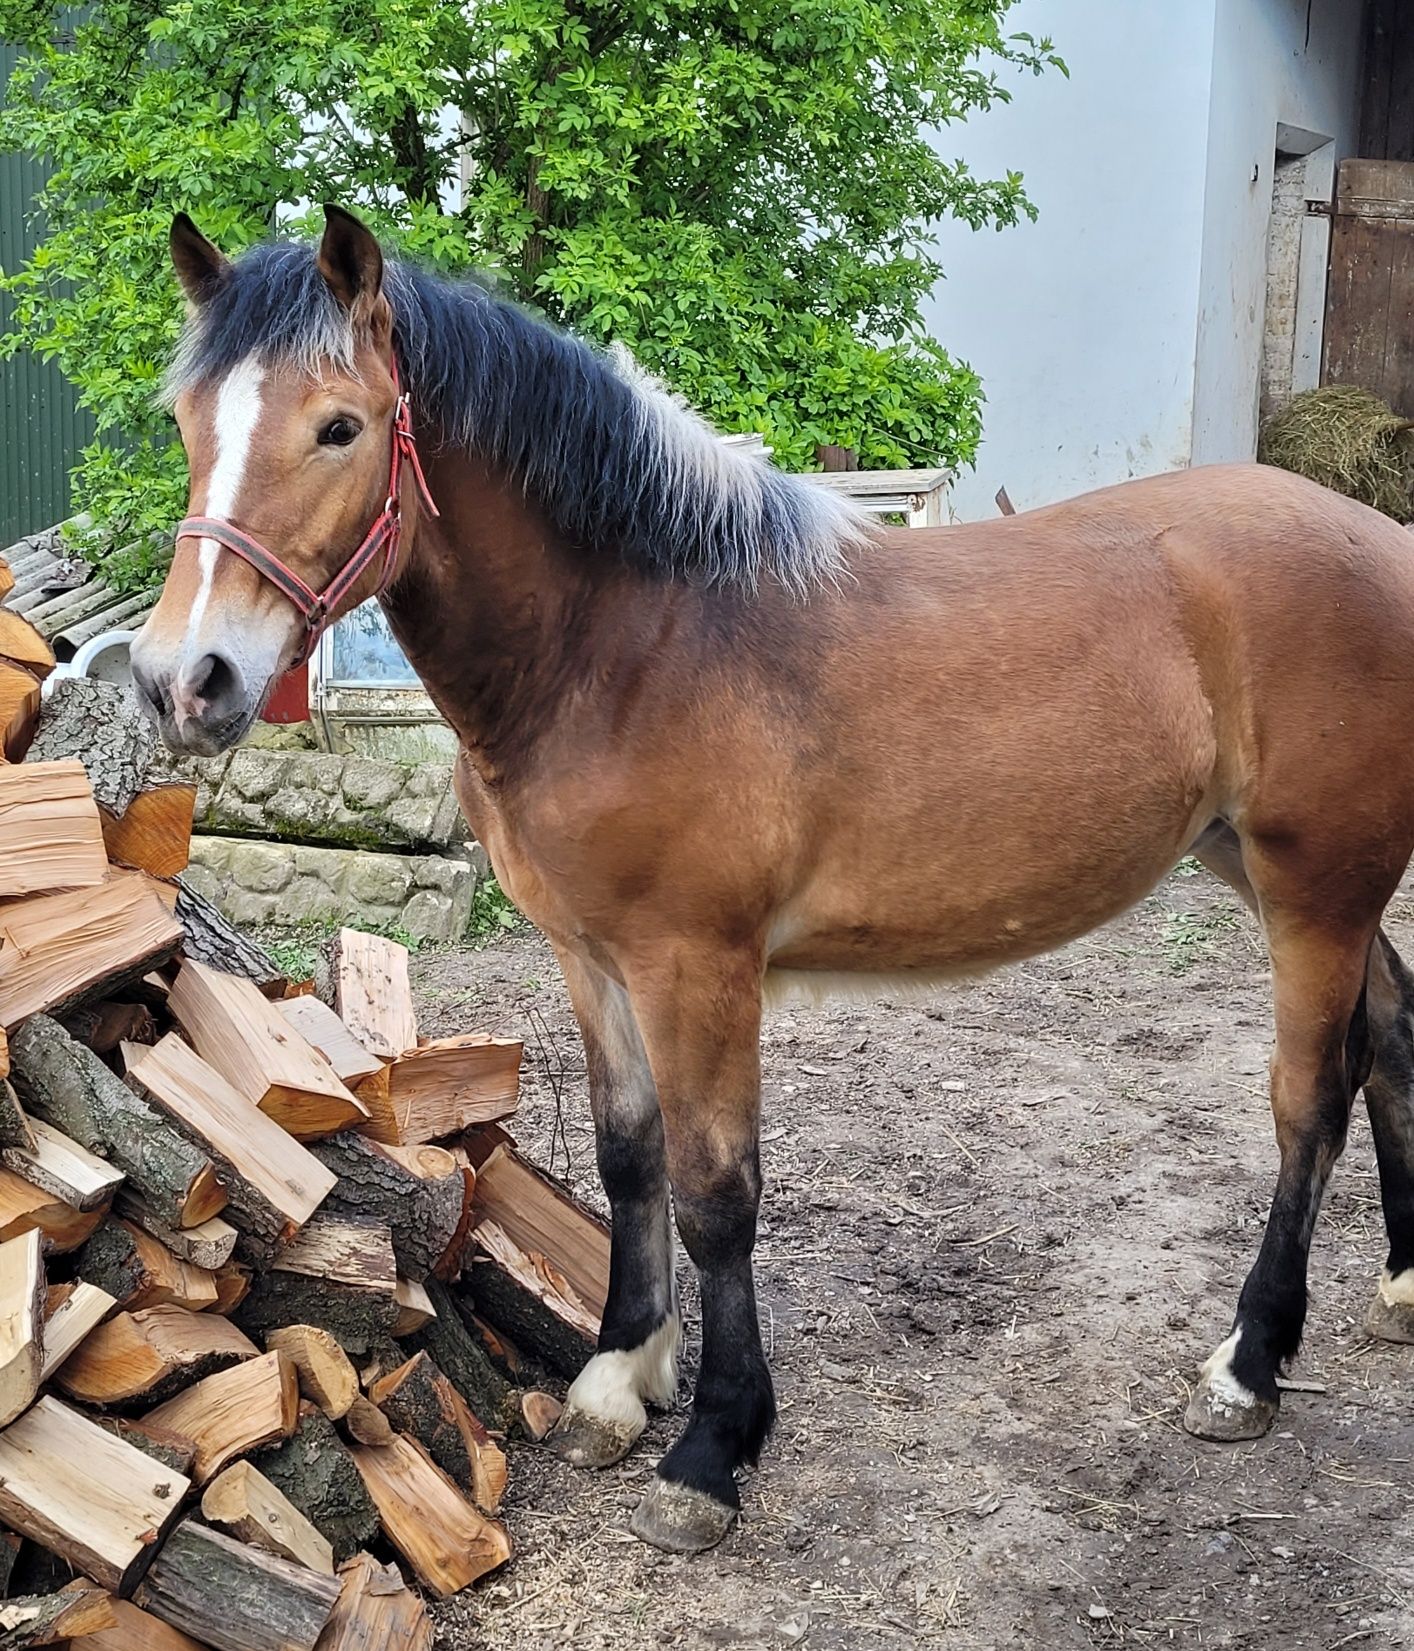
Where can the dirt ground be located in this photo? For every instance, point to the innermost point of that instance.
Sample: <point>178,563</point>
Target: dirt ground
<point>1000,1230</point>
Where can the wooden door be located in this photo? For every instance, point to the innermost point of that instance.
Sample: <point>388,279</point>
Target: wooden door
<point>1369,336</point>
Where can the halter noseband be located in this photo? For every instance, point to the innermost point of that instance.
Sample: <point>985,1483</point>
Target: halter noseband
<point>317,607</point>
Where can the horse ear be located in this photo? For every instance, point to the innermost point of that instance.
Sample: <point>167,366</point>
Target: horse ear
<point>200,267</point>
<point>350,259</point>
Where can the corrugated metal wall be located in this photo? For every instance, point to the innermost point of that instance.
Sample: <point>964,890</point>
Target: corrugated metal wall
<point>41,425</point>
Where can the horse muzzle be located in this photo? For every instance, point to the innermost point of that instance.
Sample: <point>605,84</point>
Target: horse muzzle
<point>201,707</point>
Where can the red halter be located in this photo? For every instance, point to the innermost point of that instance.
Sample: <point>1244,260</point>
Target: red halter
<point>317,607</point>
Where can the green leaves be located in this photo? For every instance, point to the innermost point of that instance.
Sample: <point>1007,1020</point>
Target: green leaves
<point>739,190</point>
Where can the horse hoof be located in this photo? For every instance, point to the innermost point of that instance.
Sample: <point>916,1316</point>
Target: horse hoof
<point>681,1520</point>
<point>586,1441</point>
<point>1224,1410</point>
<point>1390,1320</point>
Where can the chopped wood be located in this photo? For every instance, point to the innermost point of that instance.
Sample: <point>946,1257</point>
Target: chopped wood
<point>325,1374</point>
<point>103,1026</point>
<point>315,1470</point>
<point>460,1356</point>
<point>153,834</point>
<point>57,949</point>
<point>539,1412</point>
<point>50,834</point>
<point>250,1043</point>
<point>54,1618</point>
<point>377,1611</point>
<point>19,710</point>
<point>135,1630</point>
<point>84,1494</point>
<point>97,724</point>
<point>23,644</point>
<point>338,1275</point>
<point>428,1520</point>
<point>234,1597</point>
<point>414,1307</point>
<point>57,1165</point>
<point>478,1144</point>
<point>448,1085</point>
<point>533,1299</point>
<point>172,1450</point>
<point>322,1029</point>
<point>367,1425</point>
<point>139,1272</point>
<point>422,1212</point>
<point>209,1244</point>
<point>232,1412</point>
<point>4,1054</point>
<point>419,1401</point>
<point>232,1286</point>
<point>7,579</point>
<point>213,939</point>
<point>150,1354</point>
<point>449,1267</point>
<point>513,1364</point>
<point>24,1208</point>
<point>21,1324</point>
<point>67,1085</point>
<point>15,1129</point>
<point>543,1218</point>
<point>71,1322</point>
<point>371,991</point>
<point>244,1502</point>
<point>273,1183</point>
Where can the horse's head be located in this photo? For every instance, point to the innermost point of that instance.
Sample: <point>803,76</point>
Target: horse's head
<point>288,422</point>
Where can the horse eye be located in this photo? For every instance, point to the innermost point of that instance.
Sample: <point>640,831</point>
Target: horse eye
<point>338,432</point>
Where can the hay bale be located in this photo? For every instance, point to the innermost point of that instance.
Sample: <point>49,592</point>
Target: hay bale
<point>1347,439</point>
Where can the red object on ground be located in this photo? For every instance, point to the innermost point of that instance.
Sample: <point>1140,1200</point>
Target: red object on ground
<point>290,701</point>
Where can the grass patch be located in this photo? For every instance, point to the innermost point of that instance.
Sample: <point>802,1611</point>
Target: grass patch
<point>1188,936</point>
<point>492,913</point>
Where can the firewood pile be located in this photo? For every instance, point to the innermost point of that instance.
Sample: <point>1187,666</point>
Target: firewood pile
<point>275,1282</point>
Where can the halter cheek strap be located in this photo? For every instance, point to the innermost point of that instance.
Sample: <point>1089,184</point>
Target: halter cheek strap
<point>318,607</point>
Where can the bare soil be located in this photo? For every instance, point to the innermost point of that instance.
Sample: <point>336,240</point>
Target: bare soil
<point>1001,1229</point>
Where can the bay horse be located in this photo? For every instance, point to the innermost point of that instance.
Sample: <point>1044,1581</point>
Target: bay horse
<point>726,741</point>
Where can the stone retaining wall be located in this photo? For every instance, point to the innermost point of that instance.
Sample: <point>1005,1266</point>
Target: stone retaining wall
<point>289,883</point>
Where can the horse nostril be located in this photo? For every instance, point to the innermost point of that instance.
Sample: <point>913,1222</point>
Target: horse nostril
<point>211,689</point>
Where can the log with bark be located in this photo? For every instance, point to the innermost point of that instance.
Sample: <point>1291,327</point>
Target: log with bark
<point>422,1210</point>
<point>337,1274</point>
<point>211,938</point>
<point>24,1208</point>
<point>315,1471</point>
<point>54,1619</point>
<point>135,1630</point>
<point>458,1353</point>
<point>151,1355</point>
<point>233,1412</point>
<point>326,1377</point>
<point>419,1400</point>
<point>243,1502</point>
<point>139,1272</point>
<point>97,725</point>
<point>61,1167</point>
<point>209,1244</point>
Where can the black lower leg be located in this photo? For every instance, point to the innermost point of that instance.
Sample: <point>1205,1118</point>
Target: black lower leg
<point>635,1177</point>
<point>734,1406</point>
<point>1389,1097</point>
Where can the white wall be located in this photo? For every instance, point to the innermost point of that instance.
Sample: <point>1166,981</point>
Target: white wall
<point>1083,324</point>
<point>1266,71</point>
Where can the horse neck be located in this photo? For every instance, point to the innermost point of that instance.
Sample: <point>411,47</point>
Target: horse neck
<point>493,612</point>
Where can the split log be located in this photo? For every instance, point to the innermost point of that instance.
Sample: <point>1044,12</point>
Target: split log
<point>339,1275</point>
<point>233,1597</point>
<point>419,1400</point>
<point>21,1324</point>
<point>63,1168</point>
<point>428,1520</point>
<point>371,992</point>
<point>366,1424</point>
<point>153,834</point>
<point>15,1129</point>
<point>314,1021</point>
<point>246,1039</point>
<point>85,1495</point>
<point>172,1450</point>
<point>24,1209</point>
<point>453,1258</point>
<point>67,1085</point>
<point>533,1299</point>
<point>243,1502</point>
<point>422,1212</point>
<point>50,834</point>
<point>460,1356</point>
<point>538,1413</point>
<point>135,1630</point>
<point>103,1026</point>
<point>19,710</point>
<point>234,1411</point>
<point>454,1083</point>
<point>543,1218</point>
<point>151,1354</point>
<point>232,1286</point>
<point>63,948</point>
<point>377,1611</point>
<point>54,1618</point>
<point>326,1377</point>
<point>272,1182</point>
<point>71,1323</point>
<point>515,1365</point>
<point>414,1308</point>
<point>97,724</point>
<point>23,644</point>
<point>209,1244</point>
<point>210,938</point>
<point>316,1472</point>
<point>139,1272</point>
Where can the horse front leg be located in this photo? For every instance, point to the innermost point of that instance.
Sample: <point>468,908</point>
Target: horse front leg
<point>636,1361</point>
<point>699,1010</point>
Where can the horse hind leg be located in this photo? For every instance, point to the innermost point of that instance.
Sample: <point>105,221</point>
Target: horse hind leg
<point>1389,1098</point>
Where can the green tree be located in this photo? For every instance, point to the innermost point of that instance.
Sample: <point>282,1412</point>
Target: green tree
<point>739,190</point>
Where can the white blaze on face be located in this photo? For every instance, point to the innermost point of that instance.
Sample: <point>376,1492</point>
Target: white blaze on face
<point>234,422</point>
